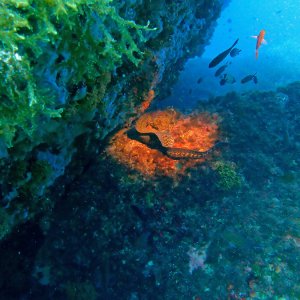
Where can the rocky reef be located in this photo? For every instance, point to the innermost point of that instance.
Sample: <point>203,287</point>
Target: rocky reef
<point>104,198</point>
<point>227,228</point>
<point>72,72</point>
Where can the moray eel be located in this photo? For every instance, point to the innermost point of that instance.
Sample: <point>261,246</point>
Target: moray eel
<point>152,141</point>
<point>179,153</point>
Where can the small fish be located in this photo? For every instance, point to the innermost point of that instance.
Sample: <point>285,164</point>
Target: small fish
<point>221,56</point>
<point>199,80</point>
<point>259,40</point>
<point>249,78</point>
<point>227,79</point>
<point>190,91</point>
<point>221,70</point>
<point>255,79</point>
<point>234,52</point>
<point>223,81</point>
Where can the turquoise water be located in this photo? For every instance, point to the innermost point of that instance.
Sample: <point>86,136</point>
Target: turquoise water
<point>278,62</point>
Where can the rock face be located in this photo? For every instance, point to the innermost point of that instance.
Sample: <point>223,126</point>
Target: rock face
<point>75,71</point>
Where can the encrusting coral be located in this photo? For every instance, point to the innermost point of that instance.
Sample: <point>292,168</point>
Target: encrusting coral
<point>159,124</point>
<point>189,136</point>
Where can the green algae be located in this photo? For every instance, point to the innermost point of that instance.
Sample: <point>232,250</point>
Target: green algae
<point>90,37</point>
<point>40,171</point>
<point>56,63</point>
<point>228,178</point>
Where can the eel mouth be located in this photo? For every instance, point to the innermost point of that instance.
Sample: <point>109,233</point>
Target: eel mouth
<point>149,139</point>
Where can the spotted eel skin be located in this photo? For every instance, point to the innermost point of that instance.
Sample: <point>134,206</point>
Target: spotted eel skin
<point>152,141</point>
<point>179,153</point>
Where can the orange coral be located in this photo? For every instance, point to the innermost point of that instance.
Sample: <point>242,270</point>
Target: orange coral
<point>146,103</point>
<point>157,121</point>
<point>197,132</point>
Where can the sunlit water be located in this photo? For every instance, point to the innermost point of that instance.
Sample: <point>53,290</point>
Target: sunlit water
<point>278,62</point>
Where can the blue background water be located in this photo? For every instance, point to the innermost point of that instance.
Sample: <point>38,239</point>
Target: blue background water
<point>278,62</point>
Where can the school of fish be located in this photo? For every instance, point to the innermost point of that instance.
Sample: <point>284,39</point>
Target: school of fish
<point>233,52</point>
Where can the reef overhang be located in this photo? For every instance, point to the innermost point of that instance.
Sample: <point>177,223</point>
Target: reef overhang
<point>73,72</point>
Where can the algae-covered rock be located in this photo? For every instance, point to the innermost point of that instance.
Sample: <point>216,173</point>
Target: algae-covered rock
<point>5,226</point>
<point>114,234</point>
<point>227,176</point>
<point>80,291</point>
<point>72,71</point>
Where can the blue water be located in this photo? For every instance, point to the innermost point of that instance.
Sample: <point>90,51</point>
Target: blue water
<point>278,62</point>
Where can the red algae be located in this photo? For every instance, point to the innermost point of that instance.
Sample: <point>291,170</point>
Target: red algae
<point>197,132</point>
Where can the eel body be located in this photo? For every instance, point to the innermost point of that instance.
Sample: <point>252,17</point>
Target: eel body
<point>179,153</point>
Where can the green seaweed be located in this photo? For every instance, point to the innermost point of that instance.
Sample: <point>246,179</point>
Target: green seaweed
<point>91,35</point>
<point>228,178</point>
<point>56,62</point>
<point>40,171</point>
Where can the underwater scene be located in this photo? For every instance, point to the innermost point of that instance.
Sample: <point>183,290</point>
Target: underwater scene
<point>149,150</point>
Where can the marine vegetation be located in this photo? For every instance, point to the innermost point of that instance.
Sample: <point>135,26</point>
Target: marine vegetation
<point>47,49</point>
<point>228,178</point>
<point>56,62</point>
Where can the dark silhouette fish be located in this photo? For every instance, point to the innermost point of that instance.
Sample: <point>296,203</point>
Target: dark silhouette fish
<point>227,79</point>
<point>222,81</point>
<point>249,78</point>
<point>221,70</point>
<point>221,56</point>
<point>234,52</point>
<point>199,80</point>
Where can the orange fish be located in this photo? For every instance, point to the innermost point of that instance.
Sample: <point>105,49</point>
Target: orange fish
<point>259,40</point>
